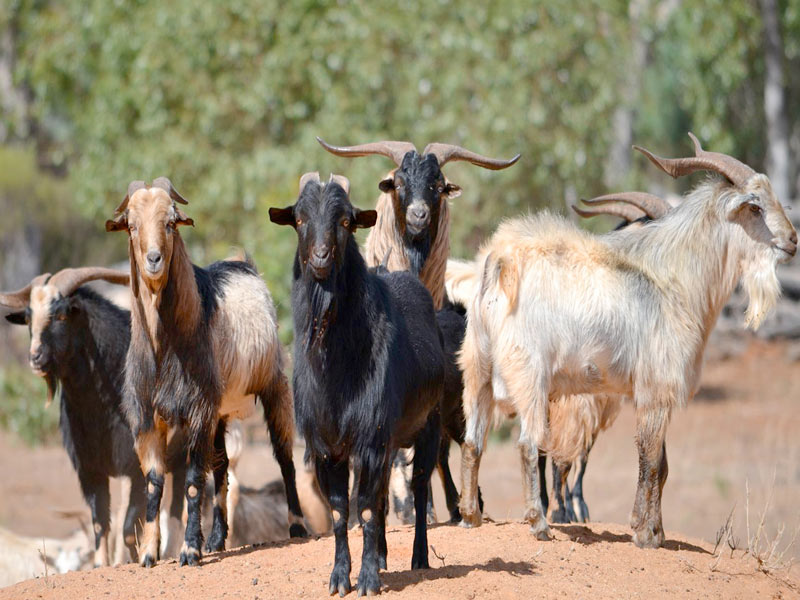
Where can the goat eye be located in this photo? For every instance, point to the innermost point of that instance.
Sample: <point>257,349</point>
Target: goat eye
<point>62,317</point>
<point>299,222</point>
<point>346,223</point>
<point>440,189</point>
<point>755,209</point>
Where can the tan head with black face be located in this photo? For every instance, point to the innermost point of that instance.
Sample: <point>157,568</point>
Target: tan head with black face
<point>151,217</point>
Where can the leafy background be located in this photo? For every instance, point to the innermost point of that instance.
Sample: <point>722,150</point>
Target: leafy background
<point>227,98</point>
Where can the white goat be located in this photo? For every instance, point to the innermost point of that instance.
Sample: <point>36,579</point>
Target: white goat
<point>560,311</point>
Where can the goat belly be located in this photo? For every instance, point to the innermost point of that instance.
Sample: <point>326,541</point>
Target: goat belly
<point>237,405</point>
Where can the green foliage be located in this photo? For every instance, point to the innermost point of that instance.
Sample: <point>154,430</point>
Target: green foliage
<point>227,98</point>
<point>23,407</point>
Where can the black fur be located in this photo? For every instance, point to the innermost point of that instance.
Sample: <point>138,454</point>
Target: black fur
<point>181,383</point>
<point>371,379</point>
<point>83,354</point>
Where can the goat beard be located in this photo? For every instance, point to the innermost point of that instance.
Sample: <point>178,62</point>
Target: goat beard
<point>322,305</point>
<point>52,388</point>
<point>760,282</point>
<point>417,252</point>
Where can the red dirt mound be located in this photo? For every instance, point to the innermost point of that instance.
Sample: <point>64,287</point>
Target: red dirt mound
<point>498,560</point>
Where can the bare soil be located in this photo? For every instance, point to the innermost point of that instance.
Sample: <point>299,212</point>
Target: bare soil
<point>497,560</point>
<point>743,429</point>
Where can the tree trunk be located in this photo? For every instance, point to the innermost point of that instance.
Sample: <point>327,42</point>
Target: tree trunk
<point>779,165</point>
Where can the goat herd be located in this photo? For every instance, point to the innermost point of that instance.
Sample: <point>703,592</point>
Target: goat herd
<point>398,347</point>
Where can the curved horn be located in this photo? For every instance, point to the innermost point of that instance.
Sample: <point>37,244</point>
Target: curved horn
<point>394,150</point>
<point>133,187</point>
<point>67,281</point>
<point>166,185</point>
<point>343,182</point>
<point>447,152</point>
<point>21,298</point>
<point>618,209</point>
<point>734,170</point>
<point>653,206</point>
<point>308,177</point>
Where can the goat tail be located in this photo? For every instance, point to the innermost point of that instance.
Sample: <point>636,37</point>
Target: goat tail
<point>241,255</point>
<point>461,281</point>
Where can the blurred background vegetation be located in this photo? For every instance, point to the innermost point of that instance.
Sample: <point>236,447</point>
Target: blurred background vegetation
<point>227,98</point>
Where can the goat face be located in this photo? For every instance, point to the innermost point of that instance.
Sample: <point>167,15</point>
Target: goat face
<point>324,220</point>
<point>757,210</point>
<point>418,188</point>
<point>50,319</point>
<point>769,238</point>
<point>151,219</point>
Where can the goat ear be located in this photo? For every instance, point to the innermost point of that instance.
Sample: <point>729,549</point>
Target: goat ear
<point>16,318</point>
<point>386,185</point>
<point>181,218</point>
<point>451,190</point>
<point>118,223</point>
<point>365,218</point>
<point>282,216</point>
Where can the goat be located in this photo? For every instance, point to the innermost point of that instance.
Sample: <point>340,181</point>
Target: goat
<point>560,311</point>
<point>368,372</point>
<point>413,229</point>
<point>78,345</point>
<point>204,342</point>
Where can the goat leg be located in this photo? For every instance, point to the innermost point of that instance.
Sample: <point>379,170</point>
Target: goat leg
<point>195,485</point>
<point>648,530</point>
<point>333,482</point>
<point>151,447</point>
<point>426,450</point>
<point>575,494</point>
<point>219,529</point>
<point>561,514</point>
<point>95,491</point>
<point>278,410</point>
<point>534,511</point>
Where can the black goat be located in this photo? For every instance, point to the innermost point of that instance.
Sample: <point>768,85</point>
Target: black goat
<point>368,372</point>
<point>414,226</point>
<point>78,344</point>
<point>204,346</point>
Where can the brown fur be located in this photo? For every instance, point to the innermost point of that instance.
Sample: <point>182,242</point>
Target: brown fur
<point>385,236</point>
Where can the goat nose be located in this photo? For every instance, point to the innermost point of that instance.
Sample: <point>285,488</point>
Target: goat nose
<point>420,213</point>
<point>36,355</point>
<point>322,252</point>
<point>793,237</point>
<point>154,257</point>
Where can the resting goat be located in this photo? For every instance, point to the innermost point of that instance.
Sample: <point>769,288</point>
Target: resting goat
<point>561,312</point>
<point>78,345</point>
<point>368,372</point>
<point>413,229</point>
<point>204,342</point>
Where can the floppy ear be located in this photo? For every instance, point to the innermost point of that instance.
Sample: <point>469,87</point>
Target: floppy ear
<point>365,218</point>
<point>451,190</point>
<point>282,216</point>
<point>181,218</point>
<point>386,185</point>
<point>17,318</point>
<point>118,223</point>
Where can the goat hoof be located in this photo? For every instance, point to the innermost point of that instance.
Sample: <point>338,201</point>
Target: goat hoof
<point>471,520</point>
<point>369,584</point>
<point>419,563</point>
<point>340,582</point>
<point>216,541</point>
<point>296,530</point>
<point>190,557</point>
<point>559,516</point>
<point>647,538</point>
<point>455,518</point>
<point>148,561</point>
<point>541,531</point>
